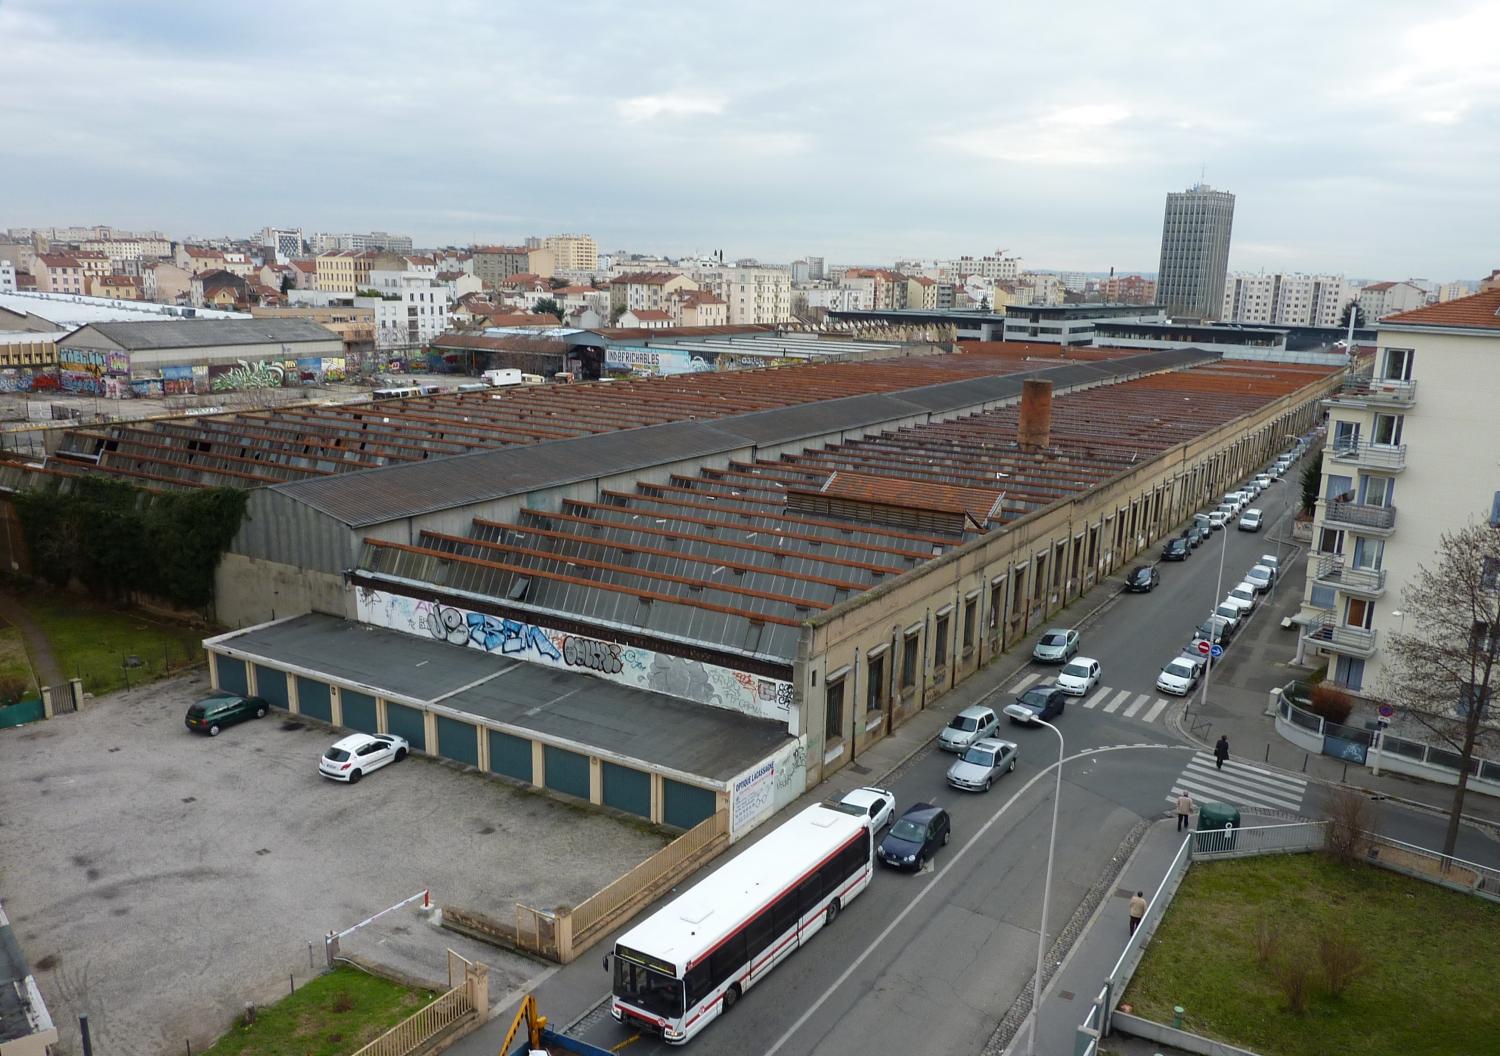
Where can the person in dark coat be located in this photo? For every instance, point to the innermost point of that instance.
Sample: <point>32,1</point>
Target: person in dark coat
<point>1221,751</point>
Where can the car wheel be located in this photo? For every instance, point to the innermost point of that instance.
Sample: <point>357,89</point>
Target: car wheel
<point>354,776</point>
<point>213,731</point>
<point>987,782</point>
<point>1011,768</point>
<point>260,712</point>
<point>832,914</point>
<point>945,838</point>
<point>731,996</point>
<point>921,861</point>
<point>400,754</point>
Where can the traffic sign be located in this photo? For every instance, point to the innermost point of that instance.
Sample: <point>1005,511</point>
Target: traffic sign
<point>1386,711</point>
<point>1205,648</point>
<point>1218,651</point>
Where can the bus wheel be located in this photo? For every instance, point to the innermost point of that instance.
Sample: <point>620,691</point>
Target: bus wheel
<point>731,996</point>
<point>832,914</point>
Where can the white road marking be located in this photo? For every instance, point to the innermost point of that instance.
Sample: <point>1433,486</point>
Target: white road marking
<point>1093,702</point>
<point>1156,709</point>
<point>1120,698</point>
<point>1020,687</point>
<point>1135,705</point>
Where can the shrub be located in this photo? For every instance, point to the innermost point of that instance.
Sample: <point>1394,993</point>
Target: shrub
<point>12,689</point>
<point>343,1001</point>
<point>1331,702</point>
<point>1292,975</point>
<point>1346,838</point>
<point>1342,959</point>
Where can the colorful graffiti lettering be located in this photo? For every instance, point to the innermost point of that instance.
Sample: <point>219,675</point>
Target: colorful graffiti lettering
<point>249,376</point>
<point>490,633</point>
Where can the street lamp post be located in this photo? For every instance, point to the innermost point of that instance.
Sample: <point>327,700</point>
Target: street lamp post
<point>1213,611</point>
<point>1018,712</point>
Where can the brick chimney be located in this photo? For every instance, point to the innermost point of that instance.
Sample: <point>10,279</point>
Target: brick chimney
<point>1035,428</point>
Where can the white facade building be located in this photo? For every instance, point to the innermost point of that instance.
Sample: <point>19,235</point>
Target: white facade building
<point>1380,299</point>
<point>412,308</point>
<point>756,295</point>
<point>1286,299</point>
<point>994,268</point>
<point>1402,466</point>
<point>7,277</point>
<point>838,298</point>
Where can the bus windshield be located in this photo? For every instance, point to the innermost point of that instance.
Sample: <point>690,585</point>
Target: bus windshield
<point>647,989</point>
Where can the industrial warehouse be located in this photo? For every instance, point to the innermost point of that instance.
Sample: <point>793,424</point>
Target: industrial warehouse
<point>677,595</point>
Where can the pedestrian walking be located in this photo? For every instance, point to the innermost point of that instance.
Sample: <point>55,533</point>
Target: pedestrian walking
<point>1221,751</point>
<point>1137,911</point>
<point>1184,811</point>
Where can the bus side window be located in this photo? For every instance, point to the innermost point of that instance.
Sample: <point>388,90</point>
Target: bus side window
<point>758,933</point>
<point>728,958</point>
<point>786,912</point>
<point>808,893</point>
<point>699,983</point>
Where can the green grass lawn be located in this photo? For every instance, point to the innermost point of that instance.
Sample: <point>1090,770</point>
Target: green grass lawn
<point>92,641</point>
<point>332,1015</point>
<point>1433,957</point>
<point>13,661</point>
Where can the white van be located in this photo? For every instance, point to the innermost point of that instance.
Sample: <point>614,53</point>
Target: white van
<point>498,378</point>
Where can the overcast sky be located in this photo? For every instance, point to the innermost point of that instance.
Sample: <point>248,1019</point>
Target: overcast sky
<point>1360,138</point>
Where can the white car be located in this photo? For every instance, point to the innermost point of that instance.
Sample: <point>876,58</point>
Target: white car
<point>1180,675</point>
<point>1229,613</point>
<point>359,753</point>
<point>1245,594</point>
<point>1078,676</point>
<point>877,804</point>
<point>1264,481</point>
<point>1271,561</point>
<point>1250,521</point>
<point>1217,519</point>
<point>1234,502</point>
<point>1261,576</point>
<point>966,727</point>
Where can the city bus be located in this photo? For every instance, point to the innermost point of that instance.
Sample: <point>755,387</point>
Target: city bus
<point>689,962</point>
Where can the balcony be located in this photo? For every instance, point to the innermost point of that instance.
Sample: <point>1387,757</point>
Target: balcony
<point>1372,520</point>
<point>1383,457</point>
<point>1338,638</point>
<point>1331,571</point>
<point>1385,392</point>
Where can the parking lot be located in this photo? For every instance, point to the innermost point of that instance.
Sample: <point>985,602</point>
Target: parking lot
<point>160,879</point>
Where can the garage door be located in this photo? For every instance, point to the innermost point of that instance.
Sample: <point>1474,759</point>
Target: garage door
<point>312,699</point>
<point>232,674</point>
<point>684,806</point>
<point>404,722</point>
<point>567,771</point>
<point>510,755</point>
<point>271,684</point>
<point>457,740</point>
<point>359,711</point>
<point>627,789</point>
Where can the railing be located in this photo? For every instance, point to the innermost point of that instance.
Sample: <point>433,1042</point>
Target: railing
<point>623,889</point>
<point>1332,570</point>
<point>1360,515</point>
<point>1341,636</point>
<point>1434,865</point>
<point>1447,759</point>
<point>415,1031</point>
<point>1291,838</point>
<point>1375,456</point>
<point>1386,390</point>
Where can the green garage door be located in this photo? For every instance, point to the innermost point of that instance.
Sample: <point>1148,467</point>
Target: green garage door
<point>457,740</point>
<point>312,699</point>
<point>627,789</point>
<point>359,711</point>
<point>271,684</point>
<point>510,755</point>
<point>232,677</point>
<point>684,806</point>
<point>405,722</point>
<point>566,771</point>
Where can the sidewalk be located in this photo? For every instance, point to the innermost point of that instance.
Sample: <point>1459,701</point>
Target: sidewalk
<point>1098,947</point>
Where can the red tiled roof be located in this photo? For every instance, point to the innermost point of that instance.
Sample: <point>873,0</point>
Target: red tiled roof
<point>651,315</point>
<point>1481,311</point>
<point>525,278</point>
<point>58,260</point>
<point>695,298</point>
<point>648,278</point>
<point>499,318</point>
<point>1378,286</point>
<point>923,280</point>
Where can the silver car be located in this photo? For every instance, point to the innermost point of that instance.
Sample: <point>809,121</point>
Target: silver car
<point>968,726</point>
<point>984,760</point>
<point>1057,646</point>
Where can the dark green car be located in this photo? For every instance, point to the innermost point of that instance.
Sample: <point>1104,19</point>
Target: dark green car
<point>212,714</point>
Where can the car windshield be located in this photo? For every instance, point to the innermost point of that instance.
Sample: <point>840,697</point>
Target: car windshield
<point>906,829</point>
<point>1054,639</point>
<point>647,989</point>
<point>1077,670</point>
<point>197,711</point>
<point>337,755</point>
<point>979,756</point>
<point>1035,698</point>
<point>965,723</point>
<point>1181,670</point>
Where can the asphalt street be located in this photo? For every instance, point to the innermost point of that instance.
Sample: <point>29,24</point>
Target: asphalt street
<point>931,962</point>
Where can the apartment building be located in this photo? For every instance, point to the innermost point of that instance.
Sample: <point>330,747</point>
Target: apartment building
<point>284,244</point>
<point>922,293</point>
<point>197,259</point>
<point>995,268</point>
<point>1402,465</point>
<point>756,295</point>
<point>647,290</point>
<point>493,264</point>
<point>411,308</point>
<point>1195,233</point>
<point>1380,299</point>
<point>1127,289</point>
<point>1286,299</point>
<point>58,273</point>
<point>572,253</point>
<point>117,287</point>
<point>697,308</point>
<point>377,241</point>
<point>7,277</point>
<point>129,249</point>
<point>343,271</point>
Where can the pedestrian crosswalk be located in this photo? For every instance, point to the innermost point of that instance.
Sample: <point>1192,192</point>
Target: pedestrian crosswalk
<point>1145,707</point>
<point>1240,784</point>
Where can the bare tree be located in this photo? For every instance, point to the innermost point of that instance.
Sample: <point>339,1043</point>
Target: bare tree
<point>1442,673</point>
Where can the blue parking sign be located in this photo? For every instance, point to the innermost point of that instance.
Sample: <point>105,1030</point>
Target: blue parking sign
<point>1217,651</point>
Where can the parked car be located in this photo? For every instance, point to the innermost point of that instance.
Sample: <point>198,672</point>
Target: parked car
<point>1271,561</point>
<point>1078,676</point>
<point>984,761</point>
<point>1245,592</point>
<point>212,714</point>
<point>357,754</point>
<point>1039,702</point>
<point>1261,576</point>
<point>1203,524</point>
<point>1143,578</point>
<point>1180,675</point>
<point>1250,521</point>
<point>1212,630</point>
<point>1232,613</point>
<point>1176,549</point>
<point>1264,481</point>
<point>1194,536</point>
<point>1057,646</point>
<point>915,837</point>
<point>966,727</point>
<point>1217,519</point>
<point>875,803</point>
<point>1234,502</point>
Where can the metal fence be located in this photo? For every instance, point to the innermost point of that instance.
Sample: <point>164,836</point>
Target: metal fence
<point>1292,838</point>
<point>1433,865</point>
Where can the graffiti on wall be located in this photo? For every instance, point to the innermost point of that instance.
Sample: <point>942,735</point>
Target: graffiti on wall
<point>627,665</point>
<point>767,787</point>
<point>85,369</point>
<point>246,375</point>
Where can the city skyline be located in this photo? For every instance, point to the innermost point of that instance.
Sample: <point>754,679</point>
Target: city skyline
<point>762,145</point>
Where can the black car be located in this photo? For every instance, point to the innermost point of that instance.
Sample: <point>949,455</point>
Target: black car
<point>1142,579</point>
<point>212,714</point>
<point>1193,535</point>
<point>1176,549</point>
<point>1044,702</point>
<point>915,837</point>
